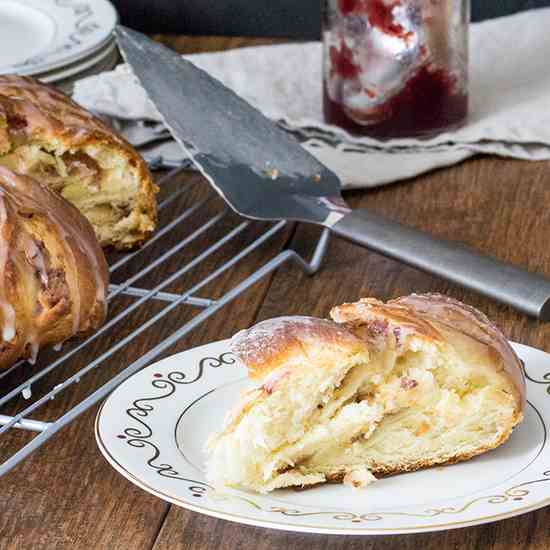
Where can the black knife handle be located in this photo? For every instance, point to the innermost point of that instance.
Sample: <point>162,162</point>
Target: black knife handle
<point>527,292</point>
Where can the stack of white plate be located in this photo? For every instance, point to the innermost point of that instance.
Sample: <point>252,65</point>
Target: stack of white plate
<point>57,41</point>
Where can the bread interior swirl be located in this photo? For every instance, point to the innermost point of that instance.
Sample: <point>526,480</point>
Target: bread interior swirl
<point>95,179</point>
<point>44,134</point>
<point>399,406</point>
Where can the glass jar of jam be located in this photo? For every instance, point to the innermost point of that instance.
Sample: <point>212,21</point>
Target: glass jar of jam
<point>396,68</point>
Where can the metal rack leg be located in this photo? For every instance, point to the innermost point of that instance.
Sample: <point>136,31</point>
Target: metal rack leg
<point>310,268</point>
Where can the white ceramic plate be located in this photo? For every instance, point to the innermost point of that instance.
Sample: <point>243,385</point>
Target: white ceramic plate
<point>74,69</point>
<point>41,35</point>
<point>153,427</point>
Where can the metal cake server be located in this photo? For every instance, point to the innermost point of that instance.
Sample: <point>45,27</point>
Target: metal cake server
<point>263,173</point>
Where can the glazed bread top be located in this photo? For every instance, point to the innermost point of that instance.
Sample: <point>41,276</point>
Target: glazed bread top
<point>46,113</point>
<point>53,274</point>
<point>285,341</point>
<point>438,318</point>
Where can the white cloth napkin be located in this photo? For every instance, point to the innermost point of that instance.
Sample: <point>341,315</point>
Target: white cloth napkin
<point>509,101</point>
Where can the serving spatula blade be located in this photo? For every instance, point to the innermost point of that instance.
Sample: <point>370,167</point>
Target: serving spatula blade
<point>257,167</point>
<point>263,173</point>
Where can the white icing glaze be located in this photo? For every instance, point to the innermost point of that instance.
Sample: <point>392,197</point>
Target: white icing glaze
<point>32,340</point>
<point>8,311</point>
<point>271,336</point>
<point>36,258</point>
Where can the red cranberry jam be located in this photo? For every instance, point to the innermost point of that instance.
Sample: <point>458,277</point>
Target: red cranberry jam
<point>396,68</point>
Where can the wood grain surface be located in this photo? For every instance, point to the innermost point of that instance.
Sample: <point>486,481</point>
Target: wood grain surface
<point>66,496</point>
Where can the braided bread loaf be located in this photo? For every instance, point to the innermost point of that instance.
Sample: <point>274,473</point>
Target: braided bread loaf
<point>49,137</point>
<point>53,274</point>
<point>383,388</point>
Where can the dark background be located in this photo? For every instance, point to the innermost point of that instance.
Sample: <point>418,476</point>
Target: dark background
<point>273,18</point>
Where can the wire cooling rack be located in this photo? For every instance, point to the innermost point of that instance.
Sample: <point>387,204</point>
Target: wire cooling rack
<point>148,286</point>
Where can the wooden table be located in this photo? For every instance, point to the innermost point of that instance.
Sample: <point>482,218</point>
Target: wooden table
<point>67,496</point>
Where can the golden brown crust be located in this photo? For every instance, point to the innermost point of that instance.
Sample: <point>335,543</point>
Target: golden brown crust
<point>43,114</point>
<point>378,316</point>
<point>437,318</point>
<point>471,322</point>
<point>53,274</point>
<point>279,342</point>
